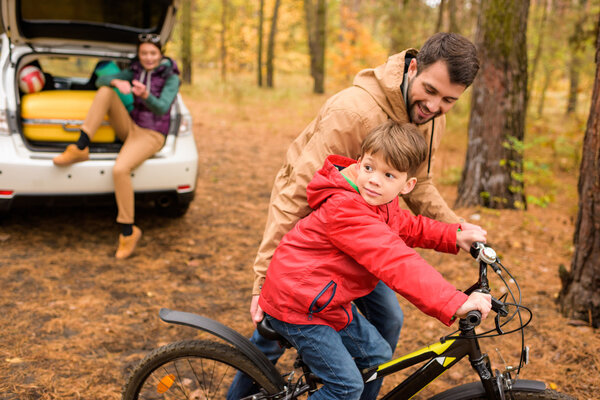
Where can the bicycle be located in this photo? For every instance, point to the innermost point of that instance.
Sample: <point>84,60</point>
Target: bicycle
<point>203,369</point>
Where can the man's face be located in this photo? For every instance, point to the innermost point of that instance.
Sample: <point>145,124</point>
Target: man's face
<point>430,93</point>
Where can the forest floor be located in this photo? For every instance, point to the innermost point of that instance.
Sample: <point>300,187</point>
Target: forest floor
<point>75,321</point>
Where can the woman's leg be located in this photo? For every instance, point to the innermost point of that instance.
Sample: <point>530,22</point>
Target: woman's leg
<point>106,101</point>
<point>139,145</point>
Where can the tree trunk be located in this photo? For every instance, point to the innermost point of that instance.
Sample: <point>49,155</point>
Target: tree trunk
<point>315,26</point>
<point>493,172</point>
<point>186,41</point>
<point>538,47</point>
<point>545,86</point>
<point>580,294</point>
<point>452,6</point>
<point>271,44</point>
<point>440,20</point>
<point>223,40</point>
<point>259,51</point>
<point>576,48</point>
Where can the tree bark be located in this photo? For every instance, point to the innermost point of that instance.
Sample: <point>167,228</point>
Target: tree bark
<point>580,294</point>
<point>493,172</point>
<point>271,44</point>
<point>259,51</point>
<point>186,41</point>
<point>316,18</point>
<point>576,48</point>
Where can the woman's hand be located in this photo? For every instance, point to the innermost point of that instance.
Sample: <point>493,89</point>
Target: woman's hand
<point>139,89</point>
<point>123,86</point>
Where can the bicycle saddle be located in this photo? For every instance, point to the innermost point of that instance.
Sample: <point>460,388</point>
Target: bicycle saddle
<point>266,330</point>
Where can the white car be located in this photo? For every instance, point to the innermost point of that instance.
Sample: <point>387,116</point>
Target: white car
<point>69,40</point>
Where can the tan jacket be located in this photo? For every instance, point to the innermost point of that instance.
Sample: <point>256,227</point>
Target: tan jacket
<point>339,128</point>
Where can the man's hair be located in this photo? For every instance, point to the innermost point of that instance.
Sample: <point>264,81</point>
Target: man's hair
<point>401,145</point>
<point>459,54</point>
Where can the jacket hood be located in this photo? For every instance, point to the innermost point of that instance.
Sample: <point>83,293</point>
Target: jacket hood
<point>328,181</point>
<point>384,84</point>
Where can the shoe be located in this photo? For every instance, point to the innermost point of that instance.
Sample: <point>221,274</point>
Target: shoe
<point>127,243</point>
<point>71,155</point>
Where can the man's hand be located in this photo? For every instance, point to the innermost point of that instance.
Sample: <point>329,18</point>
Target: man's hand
<point>139,89</point>
<point>123,86</point>
<point>476,301</point>
<point>256,312</point>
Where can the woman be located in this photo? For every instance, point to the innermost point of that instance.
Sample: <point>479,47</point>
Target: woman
<point>153,80</point>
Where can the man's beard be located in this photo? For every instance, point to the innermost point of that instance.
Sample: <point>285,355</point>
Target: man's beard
<point>413,111</point>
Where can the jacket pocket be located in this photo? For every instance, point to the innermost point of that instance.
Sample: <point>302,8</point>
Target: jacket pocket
<point>314,308</point>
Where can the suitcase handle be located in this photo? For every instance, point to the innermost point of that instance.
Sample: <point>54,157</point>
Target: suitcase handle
<point>70,129</point>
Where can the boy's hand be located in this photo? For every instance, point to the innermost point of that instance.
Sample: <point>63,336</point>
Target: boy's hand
<point>256,312</point>
<point>470,233</point>
<point>476,301</point>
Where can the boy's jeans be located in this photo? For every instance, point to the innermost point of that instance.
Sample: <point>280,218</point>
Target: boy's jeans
<point>338,357</point>
<point>380,307</point>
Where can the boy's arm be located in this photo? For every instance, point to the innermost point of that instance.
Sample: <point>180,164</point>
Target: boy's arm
<point>358,232</point>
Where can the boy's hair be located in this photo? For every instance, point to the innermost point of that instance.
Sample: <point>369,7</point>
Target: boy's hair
<point>401,145</point>
<point>459,54</point>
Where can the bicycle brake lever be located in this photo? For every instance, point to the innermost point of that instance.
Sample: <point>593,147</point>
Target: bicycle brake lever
<point>497,322</point>
<point>499,307</point>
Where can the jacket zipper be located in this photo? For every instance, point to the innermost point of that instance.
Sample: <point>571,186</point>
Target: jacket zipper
<point>321,293</point>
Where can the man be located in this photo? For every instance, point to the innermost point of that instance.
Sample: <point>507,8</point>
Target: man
<point>412,86</point>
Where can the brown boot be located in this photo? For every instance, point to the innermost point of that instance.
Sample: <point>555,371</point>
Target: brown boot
<point>127,243</point>
<point>71,155</point>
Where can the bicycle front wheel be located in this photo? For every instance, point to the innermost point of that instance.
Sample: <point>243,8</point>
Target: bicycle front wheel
<point>474,391</point>
<point>193,370</point>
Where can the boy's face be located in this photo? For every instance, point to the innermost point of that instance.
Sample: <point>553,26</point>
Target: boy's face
<point>430,93</point>
<point>378,182</point>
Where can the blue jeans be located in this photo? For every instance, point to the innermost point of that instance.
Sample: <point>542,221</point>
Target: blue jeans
<point>338,357</point>
<point>380,307</point>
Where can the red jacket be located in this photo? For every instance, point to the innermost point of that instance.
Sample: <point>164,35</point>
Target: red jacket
<point>341,250</point>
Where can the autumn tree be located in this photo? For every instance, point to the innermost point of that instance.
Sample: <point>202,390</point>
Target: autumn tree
<point>259,49</point>
<point>577,41</point>
<point>580,294</point>
<point>186,41</point>
<point>224,6</point>
<point>493,172</point>
<point>271,44</point>
<point>316,17</point>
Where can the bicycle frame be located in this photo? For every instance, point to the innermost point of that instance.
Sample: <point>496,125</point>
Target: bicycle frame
<point>439,357</point>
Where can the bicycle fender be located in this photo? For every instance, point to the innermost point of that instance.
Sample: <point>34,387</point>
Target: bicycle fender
<point>229,335</point>
<point>475,389</point>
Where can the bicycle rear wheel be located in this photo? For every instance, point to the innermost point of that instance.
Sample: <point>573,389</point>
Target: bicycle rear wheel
<point>192,370</point>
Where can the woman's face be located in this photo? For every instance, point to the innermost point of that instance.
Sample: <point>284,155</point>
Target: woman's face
<point>149,56</point>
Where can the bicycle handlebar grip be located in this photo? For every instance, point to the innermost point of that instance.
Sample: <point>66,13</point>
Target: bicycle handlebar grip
<point>473,317</point>
<point>475,249</point>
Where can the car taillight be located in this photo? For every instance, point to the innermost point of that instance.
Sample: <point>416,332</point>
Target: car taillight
<point>185,126</point>
<point>6,193</point>
<point>184,189</point>
<point>3,123</point>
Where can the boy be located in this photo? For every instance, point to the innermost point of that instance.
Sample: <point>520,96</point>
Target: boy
<point>356,236</point>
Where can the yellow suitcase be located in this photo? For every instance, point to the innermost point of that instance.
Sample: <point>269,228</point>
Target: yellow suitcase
<point>57,115</point>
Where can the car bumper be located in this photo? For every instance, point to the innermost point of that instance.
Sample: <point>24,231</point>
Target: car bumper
<point>30,174</point>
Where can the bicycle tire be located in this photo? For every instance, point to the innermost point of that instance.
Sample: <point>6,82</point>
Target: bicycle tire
<point>474,391</point>
<point>192,369</point>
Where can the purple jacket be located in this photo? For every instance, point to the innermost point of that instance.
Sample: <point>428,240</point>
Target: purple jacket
<point>154,112</point>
